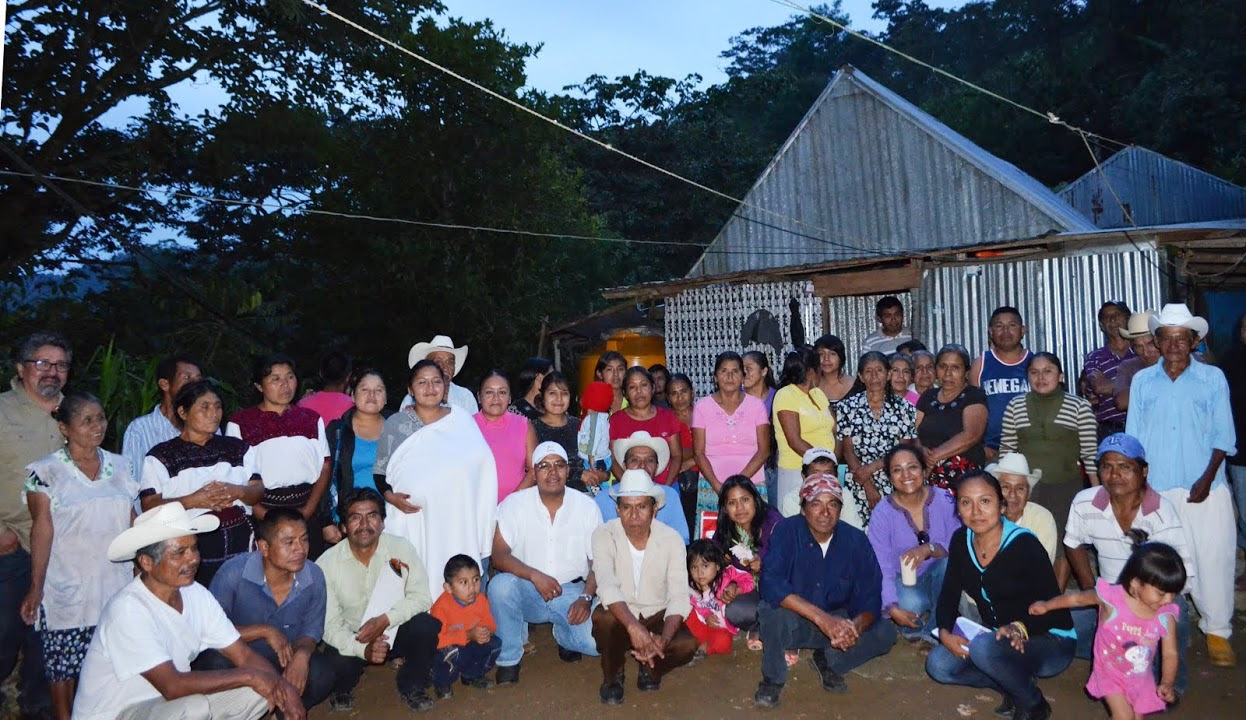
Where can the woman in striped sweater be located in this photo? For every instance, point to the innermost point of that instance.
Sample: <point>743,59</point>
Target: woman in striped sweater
<point>1056,432</point>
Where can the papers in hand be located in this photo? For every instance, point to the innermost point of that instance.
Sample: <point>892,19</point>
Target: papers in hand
<point>389,589</point>
<point>965,629</point>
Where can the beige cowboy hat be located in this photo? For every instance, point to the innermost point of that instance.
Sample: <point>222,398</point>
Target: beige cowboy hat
<point>1178,315</point>
<point>161,523</point>
<point>1137,325</point>
<point>440,343</point>
<point>637,483</point>
<point>1015,464</point>
<point>642,438</point>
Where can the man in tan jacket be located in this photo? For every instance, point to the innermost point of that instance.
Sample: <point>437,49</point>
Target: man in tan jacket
<point>642,581</point>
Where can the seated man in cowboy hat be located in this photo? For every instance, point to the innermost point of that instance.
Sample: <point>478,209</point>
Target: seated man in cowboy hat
<point>276,600</point>
<point>543,554</point>
<point>642,580</point>
<point>644,452</point>
<point>1012,471</point>
<point>450,359</point>
<point>821,588</point>
<point>1123,500</point>
<point>139,662</point>
<point>377,605</point>
<point>1179,410</point>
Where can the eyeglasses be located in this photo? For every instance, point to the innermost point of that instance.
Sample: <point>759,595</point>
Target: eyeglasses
<point>556,465</point>
<point>45,365</point>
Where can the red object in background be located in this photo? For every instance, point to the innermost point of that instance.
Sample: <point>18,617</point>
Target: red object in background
<point>709,524</point>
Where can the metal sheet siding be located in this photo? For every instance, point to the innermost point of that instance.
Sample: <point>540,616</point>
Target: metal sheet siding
<point>1059,298</point>
<point>1157,190</point>
<point>865,174</point>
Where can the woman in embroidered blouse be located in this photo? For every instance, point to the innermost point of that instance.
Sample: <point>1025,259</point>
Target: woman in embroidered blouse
<point>913,524</point>
<point>870,424</point>
<point>1057,433</point>
<point>951,419</point>
<point>80,498</point>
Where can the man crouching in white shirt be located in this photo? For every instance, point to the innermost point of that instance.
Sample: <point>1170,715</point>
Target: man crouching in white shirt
<point>138,664</point>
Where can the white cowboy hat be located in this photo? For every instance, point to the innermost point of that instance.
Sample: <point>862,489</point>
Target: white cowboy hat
<point>440,343</point>
<point>161,523</point>
<point>1138,325</point>
<point>642,438</point>
<point>1015,464</point>
<point>637,483</point>
<point>1178,315</point>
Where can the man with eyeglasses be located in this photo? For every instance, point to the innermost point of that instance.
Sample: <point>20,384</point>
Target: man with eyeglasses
<point>27,433</point>
<point>1179,410</point>
<point>543,556</point>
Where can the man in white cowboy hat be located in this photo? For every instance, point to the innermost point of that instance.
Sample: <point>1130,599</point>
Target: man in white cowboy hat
<point>1016,479</point>
<point>138,664</point>
<point>1146,354</point>
<point>1096,518</point>
<point>450,359</point>
<point>642,581</point>
<point>642,451</point>
<point>543,554</point>
<point>1179,410</point>
<point>821,588</point>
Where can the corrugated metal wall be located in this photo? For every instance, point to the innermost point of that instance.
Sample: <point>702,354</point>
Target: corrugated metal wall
<point>1059,298</point>
<point>1157,189</point>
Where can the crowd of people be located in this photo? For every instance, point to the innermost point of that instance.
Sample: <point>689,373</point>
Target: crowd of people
<point>227,566</point>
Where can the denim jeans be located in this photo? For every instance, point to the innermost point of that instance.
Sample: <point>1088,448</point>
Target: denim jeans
<point>472,661</point>
<point>16,636</point>
<point>1086,621</point>
<point>1237,478</point>
<point>515,603</point>
<point>997,665</point>
<point>782,629</point>
<point>921,598</point>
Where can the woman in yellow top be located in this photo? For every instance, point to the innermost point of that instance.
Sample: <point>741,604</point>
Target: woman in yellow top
<point>803,418</point>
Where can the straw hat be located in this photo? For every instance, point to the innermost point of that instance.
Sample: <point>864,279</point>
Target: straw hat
<point>440,343</point>
<point>1137,325</point>
<point>637,483</point>
<point>163,522</point>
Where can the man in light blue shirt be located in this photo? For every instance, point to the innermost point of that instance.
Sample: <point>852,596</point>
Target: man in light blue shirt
<point>147,431</point>
<point>1179,410</point>
<point>641,454</point>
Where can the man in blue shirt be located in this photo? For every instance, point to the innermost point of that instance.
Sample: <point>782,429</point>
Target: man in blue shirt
<point>640,454</point>
<point>276,599</point>
<point>821,588</point>
<point>1180,411</point>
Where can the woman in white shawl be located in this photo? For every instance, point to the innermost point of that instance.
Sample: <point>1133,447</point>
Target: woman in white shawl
<point>438,477</point>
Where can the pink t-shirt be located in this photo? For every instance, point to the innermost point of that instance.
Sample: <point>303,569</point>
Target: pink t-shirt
<point>731,440</point>
<point>507,437</point>
<point>329,406</point>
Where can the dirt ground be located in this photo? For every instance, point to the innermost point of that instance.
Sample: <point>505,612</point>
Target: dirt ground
<point>893,686</point>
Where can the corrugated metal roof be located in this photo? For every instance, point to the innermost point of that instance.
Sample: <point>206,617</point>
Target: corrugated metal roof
<point>867,173</point>
<point>1157,190</point>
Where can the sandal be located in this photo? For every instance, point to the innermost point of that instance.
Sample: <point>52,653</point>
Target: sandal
<point>752,641</point>
<point>791,657</point>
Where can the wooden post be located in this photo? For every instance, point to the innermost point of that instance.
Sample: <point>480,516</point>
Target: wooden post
<point>540,343</point>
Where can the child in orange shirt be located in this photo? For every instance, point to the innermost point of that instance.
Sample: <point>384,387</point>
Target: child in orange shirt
<point>466,645</point>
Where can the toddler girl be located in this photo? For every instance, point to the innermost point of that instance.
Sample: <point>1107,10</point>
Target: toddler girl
<point>715,583</point>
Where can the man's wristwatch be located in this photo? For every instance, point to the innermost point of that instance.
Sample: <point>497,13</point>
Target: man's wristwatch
<point>587,597</point>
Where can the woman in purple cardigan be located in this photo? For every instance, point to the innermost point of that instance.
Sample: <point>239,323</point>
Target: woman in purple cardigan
<point>745,522</point>
<point>912,526</point>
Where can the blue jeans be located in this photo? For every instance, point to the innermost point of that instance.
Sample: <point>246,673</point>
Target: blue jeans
<point>782,630</point>
<point>1086,621</point>
<point>470,661</point>
<point>921,598</point>
<point>1237,478</point>
<point>16,636</point>
<point>997,665</point>
<point>772,486</point>
<point>515,603</point>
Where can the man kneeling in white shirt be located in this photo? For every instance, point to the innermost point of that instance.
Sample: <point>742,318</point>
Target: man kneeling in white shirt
<point>138,664</point>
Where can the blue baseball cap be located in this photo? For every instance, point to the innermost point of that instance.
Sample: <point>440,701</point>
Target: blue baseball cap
<point>1123,444</point>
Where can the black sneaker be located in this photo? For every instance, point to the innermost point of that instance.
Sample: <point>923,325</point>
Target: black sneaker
<point>767,695</point>
<point>645,681</point>
<point>508,674</point>
<point>612,692</point>
<point>1006,708</point>
<point>342,702</point>
<point>418,700</point>
<point>831,680</point>
<point>1041,711</point>
<point>480,683</point>
<point>442,693</point>
<point>569,656</point>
